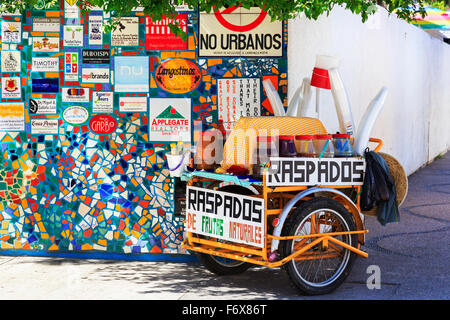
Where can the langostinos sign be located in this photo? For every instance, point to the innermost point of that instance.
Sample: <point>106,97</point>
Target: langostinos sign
<point>178,75</point>
<point>236,31</point>
<point>225,216</point>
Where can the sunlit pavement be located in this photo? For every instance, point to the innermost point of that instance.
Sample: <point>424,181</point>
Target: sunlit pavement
<point>413,257</point>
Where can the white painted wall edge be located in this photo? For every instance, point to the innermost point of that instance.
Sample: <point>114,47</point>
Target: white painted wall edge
<point>384,51</point>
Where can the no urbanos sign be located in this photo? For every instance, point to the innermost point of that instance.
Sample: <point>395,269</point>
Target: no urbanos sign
<point>236,31</point>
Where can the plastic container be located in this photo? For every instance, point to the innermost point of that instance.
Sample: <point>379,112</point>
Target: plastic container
<point>324,146</point>
<point>304,146</point>
<point>342,145</point>
<point>177,163</point>
<point>205,152</point>
<point>287,146</point>
<point>266,148</point>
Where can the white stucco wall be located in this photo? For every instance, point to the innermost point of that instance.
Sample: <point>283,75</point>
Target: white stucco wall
<point>385,51</point>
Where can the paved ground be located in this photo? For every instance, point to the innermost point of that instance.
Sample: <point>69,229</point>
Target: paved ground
<point>413,257</point>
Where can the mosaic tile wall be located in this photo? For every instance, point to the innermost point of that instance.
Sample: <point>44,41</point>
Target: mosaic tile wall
<point>79,191</point>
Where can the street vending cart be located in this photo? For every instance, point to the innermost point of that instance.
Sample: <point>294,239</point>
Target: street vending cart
<point>303,215</point>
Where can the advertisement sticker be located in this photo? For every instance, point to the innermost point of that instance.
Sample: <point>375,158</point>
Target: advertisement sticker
<point>95,75</point>
<point>45,44</point>
<point>11,32</point>
<point>71,9</point>
<point>170,119</point>
<point>95,31</point>
<point>96,56</point>
<point>71,66</point>
<point>75,94</point>
<point>103,124</point>
<point>76,115</point>
<point>48,85</point>
<point>46,24</point>
<point>47,64</point>
<point>44,106</point>
<point>12,116</point>
<point>133,104</point>
<point>178,75</point>
<point>159,37</point>
<point>11,88</point>
<point>44,126</point>
<point>11,61</point>
<point>131,74</point>
<point>238,97</point>
<point>127,33</point>
<point>236,31</point>
<point>102,102</point>
<point>73,36</point>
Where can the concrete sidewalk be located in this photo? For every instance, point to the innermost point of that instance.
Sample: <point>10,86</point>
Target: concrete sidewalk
<point>413,257</point>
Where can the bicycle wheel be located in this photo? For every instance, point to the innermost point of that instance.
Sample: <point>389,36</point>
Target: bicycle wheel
<point>320,269</point>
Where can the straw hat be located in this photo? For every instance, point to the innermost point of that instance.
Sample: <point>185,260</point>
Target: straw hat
<point>397,173</point>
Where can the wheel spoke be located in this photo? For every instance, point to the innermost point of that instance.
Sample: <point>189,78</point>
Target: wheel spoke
<point>326,267</point>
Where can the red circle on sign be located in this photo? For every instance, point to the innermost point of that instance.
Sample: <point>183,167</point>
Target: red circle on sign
<point>233,27</point>
<point>103,124</point>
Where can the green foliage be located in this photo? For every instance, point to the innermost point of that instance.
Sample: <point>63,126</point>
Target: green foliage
<point>443,5</point>
<point>277,9</point>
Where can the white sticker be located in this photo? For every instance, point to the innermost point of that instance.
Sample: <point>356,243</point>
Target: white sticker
<point>102,102</point>
<point>47,64</point>
<point>73,35</point>
<point>44,126</point>
<point>11,61</point>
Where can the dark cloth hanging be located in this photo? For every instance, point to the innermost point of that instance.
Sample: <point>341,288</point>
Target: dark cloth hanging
<point>379,189</point>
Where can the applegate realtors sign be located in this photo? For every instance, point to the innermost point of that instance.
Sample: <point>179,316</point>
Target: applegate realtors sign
<point>225,216</point>
<point>236,31</point>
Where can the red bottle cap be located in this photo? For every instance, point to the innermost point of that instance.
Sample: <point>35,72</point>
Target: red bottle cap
<point>304,137</point>
<point>263,138</point>
<point>322,136</point>
<point>341,135</point>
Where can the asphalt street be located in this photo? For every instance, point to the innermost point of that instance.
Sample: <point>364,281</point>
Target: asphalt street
<point>412,256</point>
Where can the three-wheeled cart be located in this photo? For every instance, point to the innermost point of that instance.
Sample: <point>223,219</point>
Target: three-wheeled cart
<point>311,225</point>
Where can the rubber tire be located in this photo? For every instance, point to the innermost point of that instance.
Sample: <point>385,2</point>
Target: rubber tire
<point>209,261</point>
<point>297,216</point>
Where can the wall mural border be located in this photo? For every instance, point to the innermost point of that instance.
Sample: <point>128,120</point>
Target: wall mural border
<point>83,175</point>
